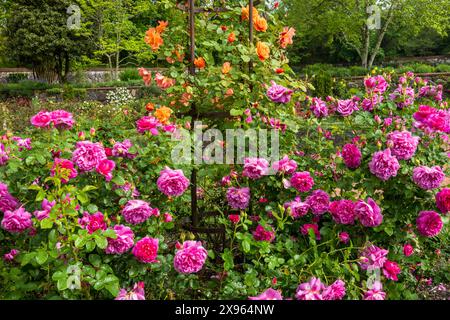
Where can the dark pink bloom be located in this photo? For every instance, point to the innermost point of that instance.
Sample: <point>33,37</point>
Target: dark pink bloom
<point>318,201</point>
<point>428,178</point>
<point>269,294</point>
<point>121,149</point>
<point>376,84</point>
<point>17,221</point>
<point>311,290</point>
<point>391,270</point>
<point>384,165</point>
<point>146,250</point>
<point>304,229</point>
<point>190,258</point>
<point>302,181</point>
<point>278,93</point>
<point>46,208</point>
<point>336,291</point>
<point>261,234</point>
<point>238,198</point>
<point>343,237</point>
<point>137,293</point>
<point>172,182</point>
<point>375,293</point>
<point>297,208</point>
<point>234,218</point>
<point>7,201</point>
<point>443,200</point>
<point>343,211</point>
<point>62,119</point>
<point>148,123</point>
<point>368,213</point>
<point>319,108</point>
<point>408,250</point>
<point>64,169</point>
<point>167,217</point>
<point>11,255</point>
<point>351,156</point>
<point>346,107</point>
<point>285,166</point>
<point>122,243</point>
<point>138,211</point>
<point>88,155</point>
<point>403,144</point>
<point>255,168</point>
<point>429,223</point>
<point>105,168</point>
<point>93,222</point>
<point>41,120</point>
<point>373,257</point>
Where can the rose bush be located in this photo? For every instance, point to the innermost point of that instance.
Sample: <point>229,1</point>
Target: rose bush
<point>97,209</point>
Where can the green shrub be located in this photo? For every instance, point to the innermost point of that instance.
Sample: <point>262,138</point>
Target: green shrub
<point>323,84</point>
<point>443,68</point>
<point>16,77</point>
<point>54,91</point>
<point>129,74</point>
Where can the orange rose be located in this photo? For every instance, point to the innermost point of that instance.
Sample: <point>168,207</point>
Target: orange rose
<point>286,37</point>
<point>162,26</point>
<point>163,114</point>
<point>163,82</point>
<point>226,68</point>
<point>180,56</point>
<point>146,76</point>
<point>200,63</point>
<point>262,50</point>
<point>229,92</point>
<point>153,39</point>
<point>150,106</point>
<point>231,37</point>
<point>245,13</point>
<point>260,24</point>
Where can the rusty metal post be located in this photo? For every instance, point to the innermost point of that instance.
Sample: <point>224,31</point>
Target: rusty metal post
<point>194,206</point>
<point>250,31</point>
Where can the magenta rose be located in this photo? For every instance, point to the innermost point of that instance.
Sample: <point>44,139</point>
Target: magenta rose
<point>351,156</point>
<point>190,258</point>
<point>146,250</point>
<point>172,182</point>
<point>88,155</point>
<point>255,168</point>
<point>105,168</point>
<point>17,221</point>
<point>122,243</point>
<point>429,223</point>
<point>138,211</point>
<point>278,93</point>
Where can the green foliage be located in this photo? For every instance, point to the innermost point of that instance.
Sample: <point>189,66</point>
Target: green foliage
<point>129,74</point>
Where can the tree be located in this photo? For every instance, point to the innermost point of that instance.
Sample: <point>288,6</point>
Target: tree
<point>115,34</point>
<point>356,24</point>
<point>37,36</point>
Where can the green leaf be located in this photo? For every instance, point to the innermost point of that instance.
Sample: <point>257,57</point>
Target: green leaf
<point>82,197</point>
<point>41,257</point>
<point>118,180</point>
<point>227,257</point>
<point>110,233</point>
<point>246,245</point>
<point>95,260</point>
<point>101,242</point>
<point>236,112</point>
<point>47,223</point>
<point>26,258</point>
